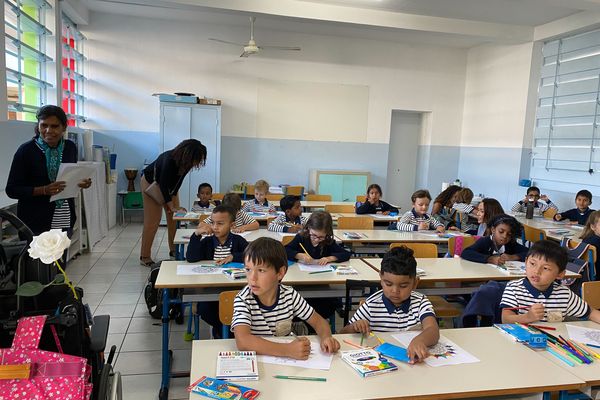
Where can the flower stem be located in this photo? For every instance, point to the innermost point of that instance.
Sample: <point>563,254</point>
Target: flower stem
<point>67,281</point>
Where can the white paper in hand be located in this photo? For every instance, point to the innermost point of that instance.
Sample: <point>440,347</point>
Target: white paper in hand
<point>71,174</point>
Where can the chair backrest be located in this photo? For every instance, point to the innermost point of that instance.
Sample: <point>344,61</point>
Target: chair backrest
<point>533,235</point>
<point>361,198</point>
<point>466,242</point>
<point>133,200</point>
<point>550,213</point>
<point>248,191</point>
<point>421,250</point>
<point>355,223</point>
<point>591,294</point>
<point>286,240</point>
<point>274,197</point>
<point>202,217</point>
<point>226,310</point>
<point>318,197</point>
<point>218,196</point>
<point>294,190</point>
<point>339,208</point>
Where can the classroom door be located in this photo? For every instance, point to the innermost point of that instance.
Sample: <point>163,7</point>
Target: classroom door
<point>405,131</point>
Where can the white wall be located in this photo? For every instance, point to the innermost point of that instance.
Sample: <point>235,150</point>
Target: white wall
<point>131,58</point>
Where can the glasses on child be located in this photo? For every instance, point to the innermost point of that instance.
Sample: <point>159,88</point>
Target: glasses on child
<point>317,237</point>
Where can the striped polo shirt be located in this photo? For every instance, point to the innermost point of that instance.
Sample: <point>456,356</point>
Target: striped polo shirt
<point>241,218</point>
<point>384,316</point>
<point>410,221</point>
<point>282,223</point>
<point>255,206</point>
<point>61,219</point>
<point>463,208</point>
<point>557,297</point>
<point>267,321</point>
<point>222,250</point>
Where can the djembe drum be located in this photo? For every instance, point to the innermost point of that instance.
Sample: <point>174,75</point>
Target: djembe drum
<point>130,174</point>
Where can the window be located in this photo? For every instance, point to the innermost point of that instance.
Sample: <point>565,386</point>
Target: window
<point>25,38</point>
<point>566,144</point>
<point>73,77</point>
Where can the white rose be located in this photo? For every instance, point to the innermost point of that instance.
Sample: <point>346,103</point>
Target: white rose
<point>49,246</point>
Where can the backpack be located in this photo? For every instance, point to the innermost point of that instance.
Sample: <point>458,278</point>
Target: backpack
<point>154,299</point>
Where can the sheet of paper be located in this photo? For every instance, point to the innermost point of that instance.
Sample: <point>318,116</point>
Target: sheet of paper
<point>315,268</point>
<point>382,216</point>
<point>316,360</point>
<point>204,269</point>
<point>445,352</point>
<point>72,174</point>
<point>245,234</point>
<point>284,234</point>
<point>584,335</point>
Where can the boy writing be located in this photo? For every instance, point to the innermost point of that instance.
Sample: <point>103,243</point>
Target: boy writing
<point>292,219</point>
<point>417,219</point>
<point>265,307</point>
<point>397,307</point>
<point>260,204</point>
<point>204,201</point>
<point>540,295</point>
<point>581,212</point>
<point>533,195</point>
<point>243,222</point>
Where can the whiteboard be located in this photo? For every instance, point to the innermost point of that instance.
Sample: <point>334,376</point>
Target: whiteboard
<point>312,111</point>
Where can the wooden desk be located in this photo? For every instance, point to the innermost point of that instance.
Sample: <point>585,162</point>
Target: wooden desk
<point>505,368</point>
<point>548,225</point>
<point>388,236</point>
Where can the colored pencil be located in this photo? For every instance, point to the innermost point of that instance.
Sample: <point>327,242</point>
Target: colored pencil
<point>305,252</point>
<point>516,308</point>
<point>318,272</point>
<point>569,346</point>
<point>548,328</point>
<point>592,352</point>
<point>564,353</point>
<point>555,354</point>
<point>377,337</point>
<point>592,345</point>
<point>353,344</point>
<point>583,351</point>
<point>300,378</point>
<point>362,339</point>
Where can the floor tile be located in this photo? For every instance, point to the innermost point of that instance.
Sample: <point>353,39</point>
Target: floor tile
<point>120,298</point>
<point>116,310</point>
<point>126,287</point>
<point>118,325</point>
<point>143,324</point>
<point>149,362</point>
<point>114,339</point>
<point>142,341</point>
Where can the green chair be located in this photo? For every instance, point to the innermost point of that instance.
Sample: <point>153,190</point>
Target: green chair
<point>131,201</point>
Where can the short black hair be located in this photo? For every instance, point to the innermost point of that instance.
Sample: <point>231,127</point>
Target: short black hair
<point>584,193</point>
<point>267,251</point>
<point>419,194</point>
<point>225,209</point>
<point>232,200</point>
<point>288,202</point>
<point>204,185</point>
<point>48,111</point>
<point>515,226</point>
<point>376,187</point>
<point>399,261</point>
<point>533,189</point>
<point>550,251</point>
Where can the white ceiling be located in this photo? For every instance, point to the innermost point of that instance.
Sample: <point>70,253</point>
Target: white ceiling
<point>455,23</point>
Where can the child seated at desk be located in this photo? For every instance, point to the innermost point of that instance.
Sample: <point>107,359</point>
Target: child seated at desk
<point>500,246</point>
<point>265,307</point>
<point>222,247</point>
<point>397,307</point>
<point>466,216</point>
<point>486,210</point>
<point>292,219</point>
<point>591,232</point>
<point>540,296</point>
<point>205,201</point>
<point>243,222</point>
<point>533,196</point>
<point>373,204</point>
<point>417,218</point>
<point>260,204</point>
<point>581,212</point>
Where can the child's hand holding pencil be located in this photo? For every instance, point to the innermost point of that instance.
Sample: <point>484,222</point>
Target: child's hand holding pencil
<point>299,348</point>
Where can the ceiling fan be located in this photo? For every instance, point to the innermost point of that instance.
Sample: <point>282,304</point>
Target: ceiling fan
<point>251,47</point>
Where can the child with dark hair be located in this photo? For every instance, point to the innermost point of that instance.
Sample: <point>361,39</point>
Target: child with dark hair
<point>500,246</point>
<point>397,307</point>
<point>292,219</point>
<point>581,212</point>
<point>205,201</point>
<point>417,218</point>
<point>533,196</point>
<point>374,204</point>
<point>265,307</point>
<point>540,296</point>
<point>243,222</point>
<point>591,232</point>
<point>442,205</point>
<point>487,210</point>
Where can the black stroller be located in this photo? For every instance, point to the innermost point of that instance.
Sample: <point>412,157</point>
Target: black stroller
<point>78,332</point>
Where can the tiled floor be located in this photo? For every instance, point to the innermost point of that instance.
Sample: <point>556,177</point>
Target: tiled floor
<point>113,282</point>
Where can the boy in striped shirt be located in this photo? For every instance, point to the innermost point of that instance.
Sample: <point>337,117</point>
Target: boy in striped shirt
<point>243,222</point>
<point>539,297</point>
<point>265,307</point>
<point>260,204</point>
<point>397,307</point>
<point>292,219</point>
<point>417,218</point>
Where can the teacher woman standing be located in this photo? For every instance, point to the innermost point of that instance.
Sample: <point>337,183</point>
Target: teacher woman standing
<point>32,177</point>
<point>166,173</point>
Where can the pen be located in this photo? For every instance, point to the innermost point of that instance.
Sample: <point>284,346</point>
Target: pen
<point>300,378</point>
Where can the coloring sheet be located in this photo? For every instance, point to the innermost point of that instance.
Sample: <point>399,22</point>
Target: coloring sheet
<point>314,267</point>
<point>584,335</point>
<point>316,360</point>
<point>445,352</point>
<point>185,269</point>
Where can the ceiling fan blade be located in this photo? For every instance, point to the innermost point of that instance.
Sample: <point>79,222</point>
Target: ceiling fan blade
<point>245,54</point>
<point>227,42</point>
<point>280,48</point>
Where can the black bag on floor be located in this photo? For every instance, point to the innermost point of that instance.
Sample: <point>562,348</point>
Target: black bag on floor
<point>154,296</point>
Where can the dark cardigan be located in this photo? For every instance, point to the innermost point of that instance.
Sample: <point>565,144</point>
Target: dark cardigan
<point>167,175</point>
<point>317,252</point>
<point>368,208</point>
<point>483,248</point>
<point>28,170</point>
<point>204,249</point>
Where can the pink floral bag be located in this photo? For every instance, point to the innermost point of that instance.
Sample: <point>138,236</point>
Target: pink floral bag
<point>52,375</point>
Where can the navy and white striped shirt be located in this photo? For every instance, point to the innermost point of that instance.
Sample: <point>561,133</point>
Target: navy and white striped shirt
<point>263,320</point>
<point>62,217</point>
<point>241,218</point>
<point>410,221</point>
<point>539,207</point>
<point>282,223</point>
<point>384,316</point>
<point>463,208</point>
<point>557,297</point>
<point>255,206</point>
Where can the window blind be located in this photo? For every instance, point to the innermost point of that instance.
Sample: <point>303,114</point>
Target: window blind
<point>73,77</point>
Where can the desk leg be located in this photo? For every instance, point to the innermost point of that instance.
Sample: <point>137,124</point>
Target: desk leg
<point>166,353</point>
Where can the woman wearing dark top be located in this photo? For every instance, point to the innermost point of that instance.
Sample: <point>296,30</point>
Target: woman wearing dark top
<point>32,177</point>
<point>373,203</point>
<point>168,170</point>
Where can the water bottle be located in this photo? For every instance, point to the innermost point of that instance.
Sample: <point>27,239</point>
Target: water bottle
<point>529,209</point>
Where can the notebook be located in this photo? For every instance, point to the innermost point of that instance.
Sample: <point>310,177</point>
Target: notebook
<point>368,362</point>
<point>235,273</point>
<point>237,366</point>
<point>217,389</point>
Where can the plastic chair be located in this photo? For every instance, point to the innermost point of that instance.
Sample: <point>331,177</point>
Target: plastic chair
<point>361,198</point>
<point>226,310</point>
<point>355,223</point>
<point>285,240</point>
<point>421,250</point>
<point>466,242</point>
<point>318,197</point>
<point>339,208</point>
<point>591,294</point>
<point>274,197</point>
<point>549,213</point>
<point>218,196</point>
<point>294,191</point>
<point>532,235</point>
<point>131,201</point>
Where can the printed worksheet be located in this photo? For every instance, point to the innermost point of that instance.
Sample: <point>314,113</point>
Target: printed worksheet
<point>203,269</point>
<point>316,360</point>
<point>445,352</point>
<point>315,267</point>
<point>584,335</point>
